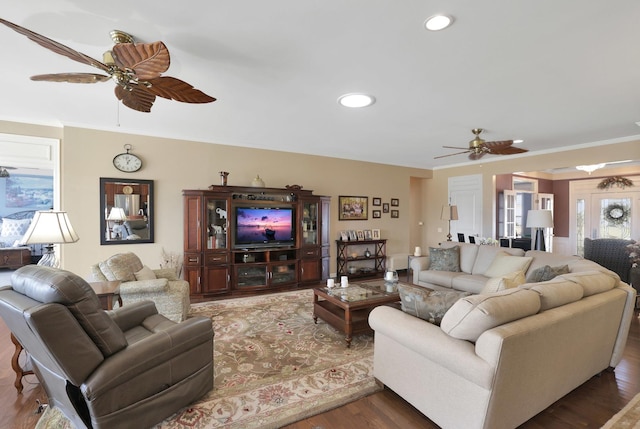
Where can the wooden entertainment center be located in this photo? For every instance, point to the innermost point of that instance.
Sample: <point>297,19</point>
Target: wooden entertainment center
<point>285,245</point>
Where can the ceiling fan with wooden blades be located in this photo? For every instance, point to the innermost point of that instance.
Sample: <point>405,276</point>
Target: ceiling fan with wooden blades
<point>136,68</point>
<point>478,147</point>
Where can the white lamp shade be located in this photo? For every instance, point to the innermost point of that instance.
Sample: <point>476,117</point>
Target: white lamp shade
<point>539,219</point>
<point>449,213</point>
<point>48,227</point>
<point>117,213</point>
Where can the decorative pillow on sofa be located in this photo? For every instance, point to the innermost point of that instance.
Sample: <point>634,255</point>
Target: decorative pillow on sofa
<point>427,304</point>
<point>546,272</point>
<point>145,273</point>
<point>14,227</point>
<point>441,259</point>
<point>504,264</point>
<point>508,281</point>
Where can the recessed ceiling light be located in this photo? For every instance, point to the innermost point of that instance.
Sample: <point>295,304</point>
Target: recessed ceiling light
<point>438,22</point>
<point>356,100</point>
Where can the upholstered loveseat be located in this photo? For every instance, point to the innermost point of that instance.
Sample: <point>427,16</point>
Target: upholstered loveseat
<point>499,358</point>
<point>140,283</point>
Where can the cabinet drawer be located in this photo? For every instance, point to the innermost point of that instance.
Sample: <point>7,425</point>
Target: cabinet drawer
<point>310,253</point>
<point>192,259</point>
<point>216,258</point>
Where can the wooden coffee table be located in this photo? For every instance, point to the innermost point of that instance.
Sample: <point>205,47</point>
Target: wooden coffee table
<point>347,309</point>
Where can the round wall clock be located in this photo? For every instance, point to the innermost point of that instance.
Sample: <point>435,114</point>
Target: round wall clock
<point>127,190</point>
<point>126,161</point>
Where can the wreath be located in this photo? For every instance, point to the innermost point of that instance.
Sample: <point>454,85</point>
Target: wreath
<point>616,214</point>
<point>621,182</point>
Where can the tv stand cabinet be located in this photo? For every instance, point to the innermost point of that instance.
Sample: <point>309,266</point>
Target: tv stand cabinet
<point>215,267</point>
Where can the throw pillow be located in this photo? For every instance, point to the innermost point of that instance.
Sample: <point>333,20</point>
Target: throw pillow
<point>145,273</point>
<point>427,304</point>
<point>546,272</point>
<point>507,281</point>
<point>14,227</point>
<point>441,259</point>
<point>504,264</point>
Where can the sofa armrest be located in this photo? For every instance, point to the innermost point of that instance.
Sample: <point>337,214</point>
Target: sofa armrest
<point>166,273</point>
<point>133,314</point>
<point>428,340</point>
<point>143,286</point>
<point>418,263</point>
<point>141,358</point>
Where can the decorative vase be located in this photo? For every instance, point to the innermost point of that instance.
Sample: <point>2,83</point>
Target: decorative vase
<point>257,182</point>
<point>223,177</point>
<point>367,253</point>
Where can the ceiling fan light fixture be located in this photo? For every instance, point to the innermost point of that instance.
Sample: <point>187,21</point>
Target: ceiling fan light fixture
<point>356,100</point>
<point>518,141</point>
<point>438,22</point>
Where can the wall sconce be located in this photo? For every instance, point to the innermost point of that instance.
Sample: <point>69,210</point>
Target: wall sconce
<point>49,228</point>
<point>449,213</point>
<point>539,219</point>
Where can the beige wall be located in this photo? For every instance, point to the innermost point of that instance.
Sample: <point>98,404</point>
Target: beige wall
<point>174,165</point>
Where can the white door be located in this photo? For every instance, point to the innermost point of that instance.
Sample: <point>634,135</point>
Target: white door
<point>466,193</point>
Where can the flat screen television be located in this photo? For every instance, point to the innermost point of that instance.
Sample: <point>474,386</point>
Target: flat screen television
<point>264,226</point>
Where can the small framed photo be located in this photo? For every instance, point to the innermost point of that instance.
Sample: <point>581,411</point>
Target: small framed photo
<point>352,235</point>
<point>385,207</point>
<point>353,208</point>
<point>395,202</point>
<point>395,214</point>
<point>360,235</point>
<point>375,234</point>
<point>344,235</point>
<point>377,214</point>
<point>367,234</point>
<point>377,201</point>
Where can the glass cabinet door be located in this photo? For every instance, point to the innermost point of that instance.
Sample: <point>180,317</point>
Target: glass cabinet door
<point>216,218</point>
<point>310,223</point>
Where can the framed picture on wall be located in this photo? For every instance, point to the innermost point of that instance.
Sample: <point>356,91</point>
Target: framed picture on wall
<point>385,207</point>
<point>395,202</point>
<point>353,208</point>
<point>376,214</point>
<point>395,214</point>
<point>377,201</point>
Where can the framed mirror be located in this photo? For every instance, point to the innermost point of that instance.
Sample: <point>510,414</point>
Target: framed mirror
<point>126,211</point>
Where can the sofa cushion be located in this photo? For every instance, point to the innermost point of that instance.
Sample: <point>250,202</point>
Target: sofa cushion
<point>507,281</point>
<point>486,255</point>
<point>470,316</point>
<point>427,304</point>
<point>145,273</point>
<point>440,278</point>
<point>468,254</point>
<point>541,258</point>
<point>592,282</point>
<point>121,267</point>
<point>468,282</point>
<point>504,264</point>
<point>556,292</point>
<point>546,272</point>
<point>444,259</point>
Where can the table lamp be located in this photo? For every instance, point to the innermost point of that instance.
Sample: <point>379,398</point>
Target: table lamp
<point>449,213</point>
<point>50,227</point>
<point>118,216</point>
<point>539,219</point>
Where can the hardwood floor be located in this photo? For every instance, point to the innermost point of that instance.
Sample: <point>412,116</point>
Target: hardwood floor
<point>588,406</point>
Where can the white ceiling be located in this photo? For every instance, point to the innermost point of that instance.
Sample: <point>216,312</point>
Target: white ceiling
<point>554,73</point>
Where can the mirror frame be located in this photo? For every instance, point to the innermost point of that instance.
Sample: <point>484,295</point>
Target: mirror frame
<point>104,181</point>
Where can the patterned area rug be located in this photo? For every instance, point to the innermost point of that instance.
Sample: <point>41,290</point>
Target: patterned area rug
<point>626,418</point>
<point>272,366</point>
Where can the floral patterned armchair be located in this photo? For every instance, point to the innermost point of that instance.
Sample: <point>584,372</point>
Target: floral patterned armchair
<point>140,283</point>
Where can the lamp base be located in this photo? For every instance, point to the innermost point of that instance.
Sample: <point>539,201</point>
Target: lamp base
<point>539,242</point>
<point>49,258</point>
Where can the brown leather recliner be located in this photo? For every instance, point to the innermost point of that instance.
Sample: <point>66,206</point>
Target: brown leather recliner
<point>128,368</point>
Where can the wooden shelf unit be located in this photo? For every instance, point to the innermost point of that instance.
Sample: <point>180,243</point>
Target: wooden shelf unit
<point>215,267</point>
<point>367,266</point>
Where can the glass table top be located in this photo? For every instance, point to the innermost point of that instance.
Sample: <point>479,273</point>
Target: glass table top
<point>362,291</point>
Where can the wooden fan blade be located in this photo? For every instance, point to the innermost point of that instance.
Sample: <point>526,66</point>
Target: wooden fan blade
<point>136,98</point>
<point>176,89</point>
<point>148,60</point>
<point>507,151</point>
<point>72,77</point>
<point>451,154</point>
<point>56,47</point>
<point>498,144</point>
<point>474,156</point>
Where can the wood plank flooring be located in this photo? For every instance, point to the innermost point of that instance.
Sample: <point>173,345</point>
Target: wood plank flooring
<point>588,406</point>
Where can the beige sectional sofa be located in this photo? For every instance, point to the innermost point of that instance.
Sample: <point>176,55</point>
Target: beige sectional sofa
<point>498,359</point>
